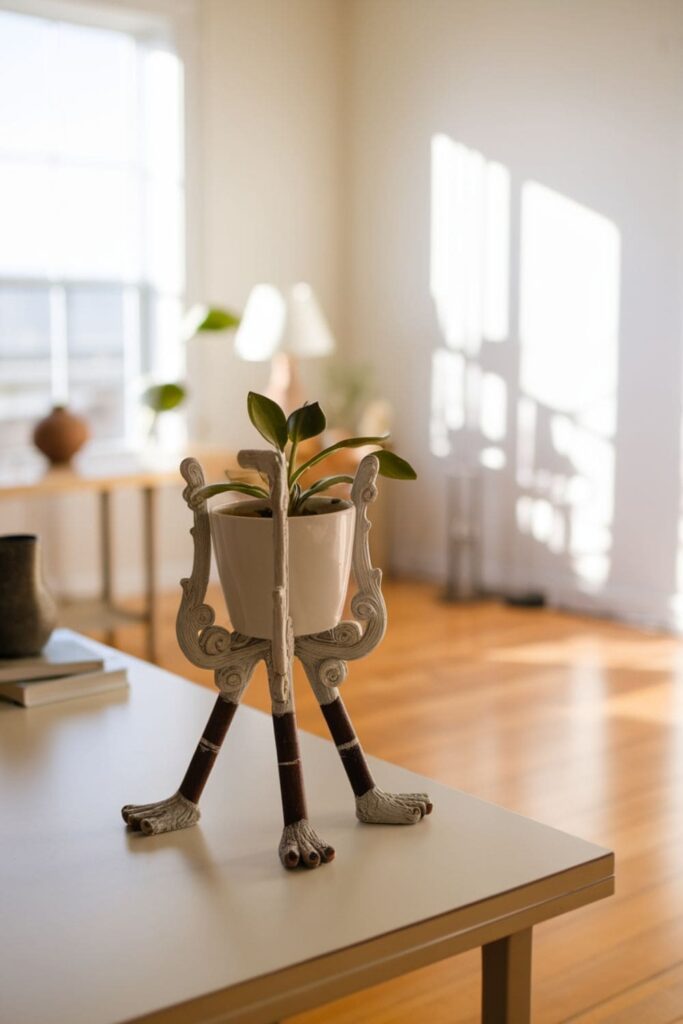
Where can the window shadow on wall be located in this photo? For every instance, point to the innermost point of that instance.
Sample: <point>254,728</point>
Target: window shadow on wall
<point>526,287</point>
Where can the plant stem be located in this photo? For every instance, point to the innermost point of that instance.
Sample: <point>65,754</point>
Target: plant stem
<point>292,462</point>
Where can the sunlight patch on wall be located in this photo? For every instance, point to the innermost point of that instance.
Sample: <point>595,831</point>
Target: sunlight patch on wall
<point>558,386</point>
<point>469,269</point>
<point>469,244</point>
<point>492,457</point>
<point>569,307</point>
<point>569,310</point>
<point>448,399</point>
<point>493,406</point>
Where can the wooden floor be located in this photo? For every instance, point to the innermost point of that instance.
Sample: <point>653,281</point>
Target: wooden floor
<point>573,721</point>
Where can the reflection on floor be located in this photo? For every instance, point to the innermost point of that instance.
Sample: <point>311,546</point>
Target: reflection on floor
<point>573,721</point>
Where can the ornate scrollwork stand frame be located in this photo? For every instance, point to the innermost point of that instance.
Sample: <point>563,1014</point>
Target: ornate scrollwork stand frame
<point>232,657</point>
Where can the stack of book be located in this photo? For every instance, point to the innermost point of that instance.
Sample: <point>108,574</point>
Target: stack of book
<point>67,667</point>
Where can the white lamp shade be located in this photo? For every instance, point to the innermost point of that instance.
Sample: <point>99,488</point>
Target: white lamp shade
<point>273,322</point>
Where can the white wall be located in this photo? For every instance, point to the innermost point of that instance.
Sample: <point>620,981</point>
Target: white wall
<point>585,99</point>
<point>270,86</point>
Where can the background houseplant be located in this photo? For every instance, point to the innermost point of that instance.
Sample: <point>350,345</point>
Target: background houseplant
<point>166,396</point>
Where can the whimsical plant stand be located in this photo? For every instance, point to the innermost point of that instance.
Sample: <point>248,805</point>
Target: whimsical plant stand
<point>233,657</point>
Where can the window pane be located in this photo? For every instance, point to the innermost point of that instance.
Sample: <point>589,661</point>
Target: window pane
<point>163,85</point>
<point>24,323</point>
<point>95,321</point>
<point>75,222</point>
<point>99,224</point>
<point>21,407</point>
<point>98,400</point>
<point>165,350</point>
<point>27,215</point>
<point>165,269</point>
<point>27,113</point>
<point>95,330</point>
<point>96,82</point>
<point>25,365</point>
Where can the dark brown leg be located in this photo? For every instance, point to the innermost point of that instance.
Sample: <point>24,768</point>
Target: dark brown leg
<point>348,745</point>
<point>289,768</point>
<point>300,844</point>
<point>181,810</point>
<point>373,805</point>
<point>207,750</point>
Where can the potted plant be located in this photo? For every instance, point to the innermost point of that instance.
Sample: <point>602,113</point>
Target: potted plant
<point>320,526</point>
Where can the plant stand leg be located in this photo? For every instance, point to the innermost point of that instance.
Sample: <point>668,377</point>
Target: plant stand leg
<point>300,844</point>
<point>348,746</point>
<point>373,805</point>
<point>208,748</point>
<point>181,810</point>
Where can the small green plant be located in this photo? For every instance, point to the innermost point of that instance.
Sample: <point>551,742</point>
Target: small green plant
<point>286,434</point>
<point>161,398</point>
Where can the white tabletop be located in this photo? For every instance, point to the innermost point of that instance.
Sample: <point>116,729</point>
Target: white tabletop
<point>99,925</point>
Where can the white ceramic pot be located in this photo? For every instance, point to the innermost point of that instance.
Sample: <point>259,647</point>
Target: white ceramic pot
<point>320,549</point>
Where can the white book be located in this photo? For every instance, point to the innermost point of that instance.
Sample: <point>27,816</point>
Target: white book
<point>61,656</point>
<point>33,692</point>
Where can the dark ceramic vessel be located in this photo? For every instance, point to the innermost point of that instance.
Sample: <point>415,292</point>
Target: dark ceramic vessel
<point>28,613</point>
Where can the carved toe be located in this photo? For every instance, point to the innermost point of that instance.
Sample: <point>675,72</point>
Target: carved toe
<point>302,846</point>
<point>164,816</point>
<point>379,808</point>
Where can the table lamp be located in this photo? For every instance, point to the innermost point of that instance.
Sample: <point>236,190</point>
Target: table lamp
<point>283,328</point>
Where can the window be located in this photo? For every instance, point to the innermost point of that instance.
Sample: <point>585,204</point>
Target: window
<point>91,222</point>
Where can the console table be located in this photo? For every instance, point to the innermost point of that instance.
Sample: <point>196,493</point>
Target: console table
<point>101,925</point>
<point>103,473</point>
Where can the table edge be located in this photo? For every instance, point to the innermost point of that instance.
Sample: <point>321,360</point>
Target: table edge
<point>321,979</point>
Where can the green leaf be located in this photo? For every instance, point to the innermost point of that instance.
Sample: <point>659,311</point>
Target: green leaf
<point>164,397</point>
<point>306,422</point>
<point>349,442</point>
<point>268,418</point>
<point>394,466</point>
<point>219,320</point>
<point>323,485</point>
<point>210,489</point>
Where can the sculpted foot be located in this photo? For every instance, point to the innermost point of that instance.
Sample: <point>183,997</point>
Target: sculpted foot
<point>164,816</point>
<point>301,845</point>
<point>379,808</point>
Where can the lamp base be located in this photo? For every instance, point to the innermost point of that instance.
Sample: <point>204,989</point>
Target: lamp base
<point>284,386</point>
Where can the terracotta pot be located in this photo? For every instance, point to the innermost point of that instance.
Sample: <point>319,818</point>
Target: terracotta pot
<point>60,435</point>
<point>320,549</point>
<point>28,613</point>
